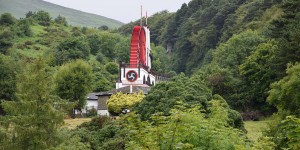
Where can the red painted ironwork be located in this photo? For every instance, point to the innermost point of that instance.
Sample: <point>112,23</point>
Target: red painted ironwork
<point>138,46</point>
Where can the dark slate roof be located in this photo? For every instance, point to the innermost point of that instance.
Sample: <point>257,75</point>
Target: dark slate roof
<point>92,96</point>
<point>135,89</point>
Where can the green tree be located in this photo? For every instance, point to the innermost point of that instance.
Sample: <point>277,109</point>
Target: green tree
<point>103,27</point>
<point>230,56</point>
<point>107,44</point>
<point>284,94</point>
<point>170,35</point>
<point>259,72</point>
<point>7,19</point>
<point>61,20</point>
<point>23,28</point>
<point>184,128</point>
<point>288,134</point>
<point>29,14</point>
<point>8,79</point>
<point>94,43</point>
<point>286,31</point>
<point>233,53</point>
<point>43,18</point>
<point>33,119</point>
<point>6,41</point>
<point>101,58</point>
<point>164,96</point>
<point>161,60</point>
<point>72,48</point>
<point>102,82</point>
<point>74,81</point>
<point>220,80</point>
<point>112,68</point>
<point>122,49</point>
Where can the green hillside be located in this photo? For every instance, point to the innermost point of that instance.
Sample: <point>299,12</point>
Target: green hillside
<point>239,47</point>
<point>20,8</point>
<point>236,60</point>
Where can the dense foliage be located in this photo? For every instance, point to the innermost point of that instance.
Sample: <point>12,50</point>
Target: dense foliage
<point>240,49</point>
<point>118,102</point>
<point>250,41</point>
<point>36,112</point>
<point>164,96</point>
<point>73,82</point>
<point>285,93</point>
<point>186,126</point>
<point>240,54</point>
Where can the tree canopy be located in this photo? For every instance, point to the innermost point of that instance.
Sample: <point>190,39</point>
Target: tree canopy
<point>73,82</point>
<point>36,112</point>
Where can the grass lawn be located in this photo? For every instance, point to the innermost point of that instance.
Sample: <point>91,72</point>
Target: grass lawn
<point>255,129</point>
<point>73,123</point>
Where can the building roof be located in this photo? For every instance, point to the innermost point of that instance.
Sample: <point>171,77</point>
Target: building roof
<point>92,96</point>
<point>127,90</point>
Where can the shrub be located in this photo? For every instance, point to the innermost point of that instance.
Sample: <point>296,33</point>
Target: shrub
<point>43,18</point>
<point>28,43</point>
<point>7,19</point>
<point>119,101</point>
<point>288,134</point>
<point>23,28</point>
<point>92,112</point>
<point>96,123</point>
<point>61,20</point>
<point>6,41</point>
<point>184,128</point>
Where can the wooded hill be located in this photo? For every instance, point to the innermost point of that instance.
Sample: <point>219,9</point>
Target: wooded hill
<point>229,54</point>
<point>245,50</point>
<point>239,47</point>
<point>19,8</point>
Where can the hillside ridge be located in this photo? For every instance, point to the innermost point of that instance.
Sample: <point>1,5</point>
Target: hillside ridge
<point>20,8</point>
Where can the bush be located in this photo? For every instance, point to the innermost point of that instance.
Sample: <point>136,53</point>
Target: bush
<point>92,112</point>
<point>43,18</point>
<point>164,96</point>
<point>100,133</point>
<point>61,20</point>
<point>28,43</point>
<point>119,101</point>
<point>288,134</point>
<point>23,28</point>
<point>6,41</point>
<point>104,28</point>
<point>7,19</point>
<point>96,123</point>
<point>184,128</point>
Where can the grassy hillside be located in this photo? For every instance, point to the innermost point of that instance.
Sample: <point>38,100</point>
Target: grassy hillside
<point>20,8</point>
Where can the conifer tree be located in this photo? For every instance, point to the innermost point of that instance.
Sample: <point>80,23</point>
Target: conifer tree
<point>33,119</point>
